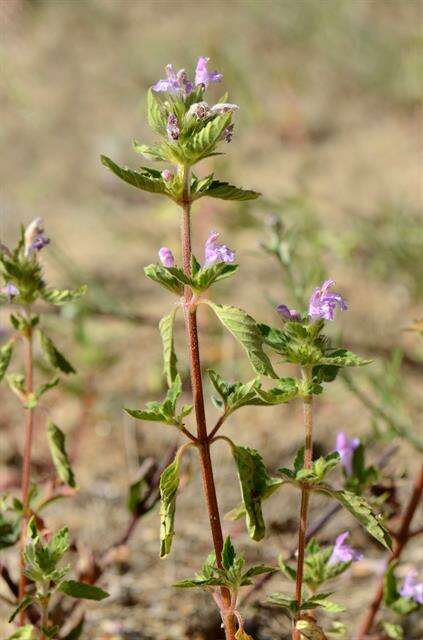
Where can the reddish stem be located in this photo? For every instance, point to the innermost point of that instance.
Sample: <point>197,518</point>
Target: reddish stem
<point>203,444</point>
<point>400,541</point>
<point>305,498</point>
<point>26,469</point>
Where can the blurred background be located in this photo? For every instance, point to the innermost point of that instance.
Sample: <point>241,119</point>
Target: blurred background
<point>330,131</point>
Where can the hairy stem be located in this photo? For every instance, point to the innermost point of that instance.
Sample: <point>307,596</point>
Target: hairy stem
<point>203,444</point>
<point>400,540</point>
<point>26,466</point>
<point>305,493</point>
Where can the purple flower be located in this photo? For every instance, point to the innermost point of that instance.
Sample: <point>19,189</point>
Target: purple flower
<point>203,75</point>
<point>343,552</point>
<point>323,304</point>
<point>215,252</point>
<point>166,257</point>
<point>199,110</point>
<point>345,447</point>
<point>223,107</point>
<point>35,240</point>
<point>288,314</point>
<point>411,588</point>
<point>174,82</point>
<point>172,127</point>
<point>10,291</point>
<point>167,175</point>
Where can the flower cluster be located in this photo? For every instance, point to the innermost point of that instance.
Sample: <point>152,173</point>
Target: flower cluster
<point>178,82</point>
<point>213,253</point>
<point>322,304</point>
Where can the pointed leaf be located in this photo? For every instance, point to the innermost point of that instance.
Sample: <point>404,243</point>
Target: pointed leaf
<point>57,444</point>
<point>53,355</point>
<point>28,632</point>
<point>226,191</point>
<point>169,355</point>
<point>245,329</point>
<point>63,296</point>
<point>163,276</point>
<point>138,179</point>
<point>169,483</point>
<point>24,604</point>
<point>5,357</point>
<point>82,590</point>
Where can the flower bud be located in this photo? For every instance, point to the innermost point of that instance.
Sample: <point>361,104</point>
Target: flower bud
<point>172,127</point>
<point>199,110</point>
<point>35,240</point>
<point>167,175</point>
<point>166,257</point>
<point>223,107</point>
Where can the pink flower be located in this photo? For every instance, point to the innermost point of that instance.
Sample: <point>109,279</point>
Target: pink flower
<point>323,304</point>
<point>166,257</point>
<point>412,588</point>
<point>345,447</point>
<point>215,252</point>
<point>203,75</point>
<point>167,175</point>
<point>343,552</point>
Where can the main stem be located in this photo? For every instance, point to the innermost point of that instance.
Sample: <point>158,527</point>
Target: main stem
<point>305,494</point>
<point>401,539</point>
<point>198,400</point>
<point>26,466</point>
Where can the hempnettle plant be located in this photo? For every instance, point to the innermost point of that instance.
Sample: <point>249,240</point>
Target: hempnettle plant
<point>22,518</point>
<point>190,130</point>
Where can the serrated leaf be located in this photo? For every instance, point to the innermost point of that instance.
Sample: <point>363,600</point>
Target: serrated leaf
<point>169,484</point>
<point>226,191</point>
<point>53,355</point>
<point>57,444</point>
<point>138,179</point>
<point>361,510</point>
<point>203,143</point>
<point>254,483</point>
<point>82,590</point>
<point>343,358</point>
<point>5,357</point>
<point>163,276</point>
<point>63,296</point>
<point>245,330</point>
<point>42,389</point>
<point>155,114</point>
<point>169,356</point>
<point>207,276</point>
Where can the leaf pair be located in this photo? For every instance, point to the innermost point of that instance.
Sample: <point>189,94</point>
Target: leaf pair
<point>164,411</point>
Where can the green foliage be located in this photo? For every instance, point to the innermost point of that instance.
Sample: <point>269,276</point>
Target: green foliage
<point>223,191</point>
<point>156,113</point>
<point>63,296</point>
<point>319,469</point>
<point>164,411</point>
<point>142,179</point>
<point>362,476</point>
<point>5,357</point>
<point>53,356</point>
<point>27,632</point>
<point>307,604</point>
<point>246,331</point>
<point>235,395</point>
<point>57,444</point>
<point>165,277</point>
<point>82,590</point>
<point>394,631</point>
<point>9,531</point>
<point>169,356</point>
<point>361,510</point>
<point>232,574</point>
<point>256,485</point>
<point>169,483</point>
<point>203,144</point>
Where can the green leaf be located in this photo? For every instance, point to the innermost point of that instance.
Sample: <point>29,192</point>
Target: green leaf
<point>155,113</point>
<point>50,632</point>
<point>207,276</point>
<point>9,532</point>
<point>140,179</point>
<point>228,554</point>
<point>24,604</point>
<point>57,444</point>
<point>169,355</point>
<point>53,355</point>
<point>245,330</point>
<point>255,483</point>
<point>5,357</point>
<point>203,143</point>
<point>226,191</point>
<point>27,632</point>
<point>17,384</point>
<point>163,276</point>
<point>361,510</point>
<point>82,590</point>
<point>394,631</point>
<point>42,389</point>
<point>63,296</point>
<point>343,358</point>
<point>164,411</point>
<point>169,483</point>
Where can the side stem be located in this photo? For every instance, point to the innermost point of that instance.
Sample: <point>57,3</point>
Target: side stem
<point>400,541</point>
<point>203,444</point>
<point>305,494</point>
<point>26,467</point>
